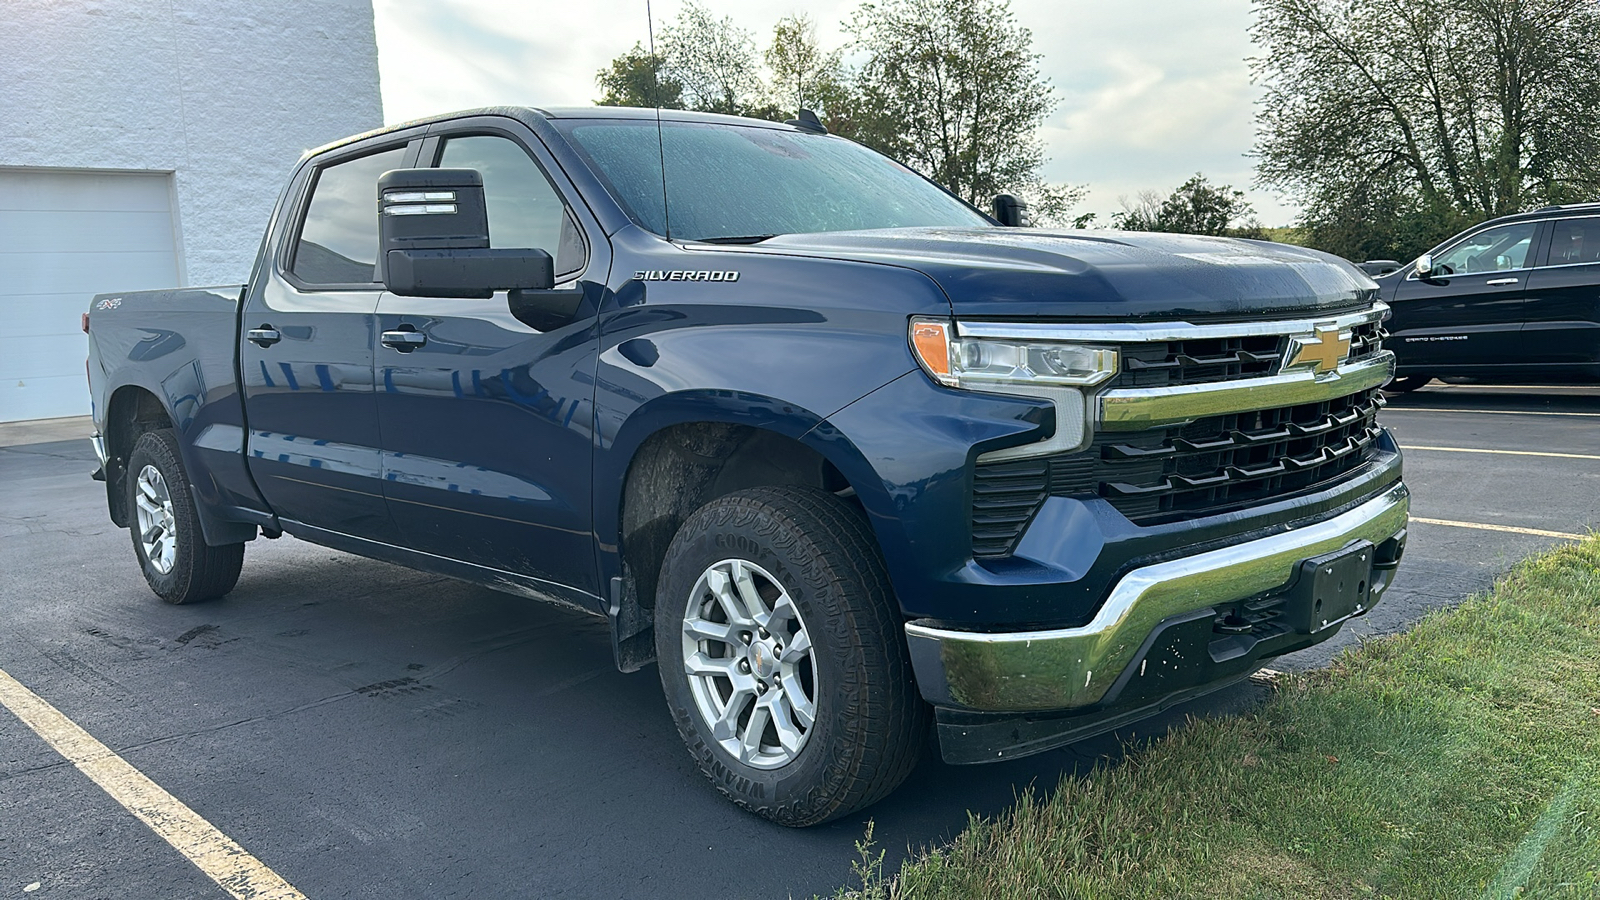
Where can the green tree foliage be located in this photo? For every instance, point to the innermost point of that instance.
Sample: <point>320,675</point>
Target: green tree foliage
<point>1396,123</point>
<point>804,75</point>
<point>636,78</point>
<point>953,88</point>
<point>715,60</point>
<point>1196,207</point>
<point>950,87</point>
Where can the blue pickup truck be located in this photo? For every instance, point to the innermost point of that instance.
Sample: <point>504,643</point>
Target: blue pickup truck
<point>845,457</point>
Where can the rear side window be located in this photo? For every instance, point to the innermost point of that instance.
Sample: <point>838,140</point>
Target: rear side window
<point>339,242</point>
<point>525,212</point>
<point>1575,242</point>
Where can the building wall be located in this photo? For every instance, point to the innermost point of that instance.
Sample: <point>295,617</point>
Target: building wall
<point>225,94</point>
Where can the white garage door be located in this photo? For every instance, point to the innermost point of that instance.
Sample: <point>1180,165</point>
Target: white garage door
<point>64,237</point>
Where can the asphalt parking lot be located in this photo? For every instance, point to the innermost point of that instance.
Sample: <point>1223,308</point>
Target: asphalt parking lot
<point>368,731</point>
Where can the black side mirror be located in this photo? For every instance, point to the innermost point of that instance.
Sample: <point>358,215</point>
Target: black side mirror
<point>1011,212</point>
<point>433,231</point>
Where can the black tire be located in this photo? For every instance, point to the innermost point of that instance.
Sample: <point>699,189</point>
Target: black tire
<point>870,722</point>
<point>1405,384</point>
<point>198,572</point>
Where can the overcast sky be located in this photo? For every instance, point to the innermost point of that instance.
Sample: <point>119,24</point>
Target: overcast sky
<point>1151,91</point>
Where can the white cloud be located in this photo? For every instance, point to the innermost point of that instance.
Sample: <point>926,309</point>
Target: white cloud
<point>1151,91</point>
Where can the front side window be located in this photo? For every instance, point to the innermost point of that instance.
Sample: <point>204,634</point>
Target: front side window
<point>1492,250</point>
<point>338,243</point>
<point>1575,242</point>
<point>525,212</point>
<point>735,181</point>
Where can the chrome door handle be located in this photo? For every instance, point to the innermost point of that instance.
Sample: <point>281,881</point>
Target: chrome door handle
<point>265,336</point>
<point>1499,281</point>
<point>404,341</point>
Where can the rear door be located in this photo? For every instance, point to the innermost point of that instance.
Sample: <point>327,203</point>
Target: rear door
<point>306,357</point>
<point>1563,307</point>
<point>488,424</point>
<point>1470,314</point>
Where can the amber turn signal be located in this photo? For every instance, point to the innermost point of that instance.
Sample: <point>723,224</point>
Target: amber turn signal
<point>931,341</point>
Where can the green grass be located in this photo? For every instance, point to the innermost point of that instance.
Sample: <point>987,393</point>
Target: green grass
<point>1460,759</point>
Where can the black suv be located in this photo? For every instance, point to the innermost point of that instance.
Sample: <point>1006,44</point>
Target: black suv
<point>1516,299</point>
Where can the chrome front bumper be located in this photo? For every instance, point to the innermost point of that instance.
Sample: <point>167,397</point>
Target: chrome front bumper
<point>1066,668</point>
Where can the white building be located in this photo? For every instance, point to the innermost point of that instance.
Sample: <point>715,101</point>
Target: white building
<point>142,145</point>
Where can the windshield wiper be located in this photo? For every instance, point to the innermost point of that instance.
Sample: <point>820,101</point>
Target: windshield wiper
<point>737,239</point>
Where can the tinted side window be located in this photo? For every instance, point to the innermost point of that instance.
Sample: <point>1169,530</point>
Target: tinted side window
<point>1575,241</point>
<point>524,209</point>
<point>1494,250</point>
<point>339,241</point>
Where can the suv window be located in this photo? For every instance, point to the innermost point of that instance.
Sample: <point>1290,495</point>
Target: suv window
<point>524,209</point>
<point>1491,250</point>
<point>338,243</point>
<point>1575,241</point>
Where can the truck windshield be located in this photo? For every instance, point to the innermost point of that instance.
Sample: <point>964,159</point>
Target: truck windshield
<point>730,182</point>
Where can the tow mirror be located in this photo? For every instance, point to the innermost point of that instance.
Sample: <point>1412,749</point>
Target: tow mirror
<point>1425,266</point>
<point>1011,212</point>
<point>433,231</point>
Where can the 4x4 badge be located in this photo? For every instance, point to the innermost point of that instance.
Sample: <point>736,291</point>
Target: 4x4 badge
<point>1322,351</point>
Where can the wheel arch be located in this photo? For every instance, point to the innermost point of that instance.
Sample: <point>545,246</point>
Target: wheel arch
<point>682,454</point>
<point>132,410</point>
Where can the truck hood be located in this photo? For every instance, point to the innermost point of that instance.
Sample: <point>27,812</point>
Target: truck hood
<point>1015,272</point>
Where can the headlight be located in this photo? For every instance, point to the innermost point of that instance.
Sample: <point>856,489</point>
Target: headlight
<point>988,363</point>
<point>1051,370</point>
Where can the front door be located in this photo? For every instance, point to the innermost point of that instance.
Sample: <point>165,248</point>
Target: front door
<point>1469,314</point>
<point>488,422</point>
<point>307,357</point>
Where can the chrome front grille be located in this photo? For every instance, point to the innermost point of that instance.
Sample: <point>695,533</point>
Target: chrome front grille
<point>1176,467</point>
<point>1210,360</point>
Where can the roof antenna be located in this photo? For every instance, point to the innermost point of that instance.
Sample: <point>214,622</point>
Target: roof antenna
<point>655,90</point>
<point>808,121</point>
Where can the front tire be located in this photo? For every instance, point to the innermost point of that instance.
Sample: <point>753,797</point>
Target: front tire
<point>178,564</point>
<point>782,658</point>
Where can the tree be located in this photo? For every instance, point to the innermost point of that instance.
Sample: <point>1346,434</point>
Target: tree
<point>804,76</point>
<point>952,87</point>
<point>1395,122</point>
<point>1196,207</point>
<point>714,60</point>
<point>637,78</point>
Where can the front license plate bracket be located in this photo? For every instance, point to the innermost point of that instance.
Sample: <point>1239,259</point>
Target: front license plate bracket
<point>1332,588</point>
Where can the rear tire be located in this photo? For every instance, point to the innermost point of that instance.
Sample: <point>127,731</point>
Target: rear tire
<point>167,539</point>
<point>779,599</point>
<point>1405,384</point>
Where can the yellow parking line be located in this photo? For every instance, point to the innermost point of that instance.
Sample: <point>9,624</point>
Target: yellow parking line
<point>1488,412</point>
<point>211,851</point>
<point>1513,529</point>
<point>1501,452</point>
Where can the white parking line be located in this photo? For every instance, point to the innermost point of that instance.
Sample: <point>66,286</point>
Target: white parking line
<point>1487,412</point>
<point>211,851</point>
<point>1513,529</point>
<point>1500,452</point>
<point>1535,388</point>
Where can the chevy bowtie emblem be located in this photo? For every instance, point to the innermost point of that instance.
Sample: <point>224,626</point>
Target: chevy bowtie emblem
<point>1323,351</point>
